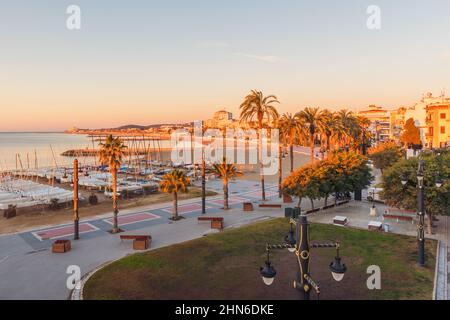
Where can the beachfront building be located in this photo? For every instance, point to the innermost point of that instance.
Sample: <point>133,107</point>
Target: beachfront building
<point>419,112</point>
<point>438,124</point>
<point>221,119</point>
<point>380,122</point>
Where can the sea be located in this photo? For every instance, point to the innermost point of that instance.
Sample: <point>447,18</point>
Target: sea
<point>30,149</point>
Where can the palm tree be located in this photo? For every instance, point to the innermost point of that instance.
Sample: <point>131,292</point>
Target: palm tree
<point>111,154</point>
<point>328,126</point>
<point>290,128</point>
<point>310,117</point>
<point>174,182</point>
<point>226,171</point>
<point>346,121</point>
<point>364,124</point>
<point>256,106</point>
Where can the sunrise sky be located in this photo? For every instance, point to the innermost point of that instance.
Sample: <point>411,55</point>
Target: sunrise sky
<point>145,62</point>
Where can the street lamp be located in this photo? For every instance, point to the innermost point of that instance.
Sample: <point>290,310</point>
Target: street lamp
<point>421,213</point>
<point>268,273</point>
<point>300,245</point>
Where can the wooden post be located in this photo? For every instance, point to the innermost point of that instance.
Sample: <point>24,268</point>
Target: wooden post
<point>76,217</point>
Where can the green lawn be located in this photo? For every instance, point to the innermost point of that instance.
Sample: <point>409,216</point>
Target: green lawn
<point>226,266</point>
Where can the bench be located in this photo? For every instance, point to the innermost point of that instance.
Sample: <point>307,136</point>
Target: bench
<point>140,242</point>
<point>340,221</point>
<point>375,226</point>
<point>399,215</point>
<point>268,205</point>
<point>216,222</point>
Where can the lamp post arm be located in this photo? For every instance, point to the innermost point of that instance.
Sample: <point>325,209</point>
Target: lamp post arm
<point>312,283</point>
<point>280,246</point>
<point>325,245</point>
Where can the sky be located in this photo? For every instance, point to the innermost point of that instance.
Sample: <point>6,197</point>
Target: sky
<point>152,61</point>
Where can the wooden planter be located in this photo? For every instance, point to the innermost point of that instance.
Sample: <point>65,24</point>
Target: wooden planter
<point>141,244</point>
<point>217,224</point>
<point>248,206</point>
<point>61,246</point>
<point>287,198</point>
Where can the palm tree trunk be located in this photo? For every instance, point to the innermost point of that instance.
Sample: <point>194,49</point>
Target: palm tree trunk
<point>328,146</point>
<point>280,169</point>
<point>312,147</point>
<point>203,179</point>
<point>115,228</point>
<point>261,165</point>
<point>225,194</point>
<point>291,147</point>
<point>175,206</point>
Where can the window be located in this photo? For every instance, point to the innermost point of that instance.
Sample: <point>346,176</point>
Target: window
<point>430,131</point>
<point>443,115</point>
<point>442,129</point>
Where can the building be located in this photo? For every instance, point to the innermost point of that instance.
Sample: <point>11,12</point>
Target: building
<point>397,122</point>
<point>419,113</point>
<point>380,119</point>
<point>438,124</point>
<point>221,119</point>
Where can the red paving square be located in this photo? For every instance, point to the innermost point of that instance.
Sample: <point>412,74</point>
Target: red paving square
<point>133,218</point>
<point>231,201</point>
<point>186,208</point>
<point>61,232</point>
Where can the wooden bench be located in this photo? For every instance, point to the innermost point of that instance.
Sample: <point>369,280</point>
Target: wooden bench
<point>216,222</point>
<point>399,215</point>
<point>268,205</point>
<point>140,242</point>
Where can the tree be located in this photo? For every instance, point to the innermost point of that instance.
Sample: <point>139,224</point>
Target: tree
<point>384,155</point>
<point>257,106</point>
<point>327,127</point>
<point>226,171</point>
<point>174,182</point>
<point>290,128</point>
<point>111,154</point>
<point>342,172</point>
<point>437,200</point>
<point>411,134</point>
<point>309,117</point>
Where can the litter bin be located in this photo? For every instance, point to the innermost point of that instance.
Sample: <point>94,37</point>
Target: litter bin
<point>292,212</point>
<point>387,227</point>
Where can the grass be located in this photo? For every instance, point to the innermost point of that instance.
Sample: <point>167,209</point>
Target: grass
<point>226,266</point>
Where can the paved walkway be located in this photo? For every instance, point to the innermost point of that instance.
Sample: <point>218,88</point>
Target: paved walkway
<point>28,269</point>
<point>443,268</point>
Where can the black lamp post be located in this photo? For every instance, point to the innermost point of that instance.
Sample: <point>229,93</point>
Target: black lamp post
<point>421,213</point>
<point>300,245</point>
<point>421,208</point>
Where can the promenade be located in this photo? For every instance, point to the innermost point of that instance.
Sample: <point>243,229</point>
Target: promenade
<point>29,270</point>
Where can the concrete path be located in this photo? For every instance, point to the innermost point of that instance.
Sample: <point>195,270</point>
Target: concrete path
<point>28,269</point>
<point>443,268</point>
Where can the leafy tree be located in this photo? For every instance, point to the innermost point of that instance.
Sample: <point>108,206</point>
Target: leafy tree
<point>437,200</point>
<point>342,172</point>
<point>174,182</point>
<point>384,155</point>
<point>411,134</point>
